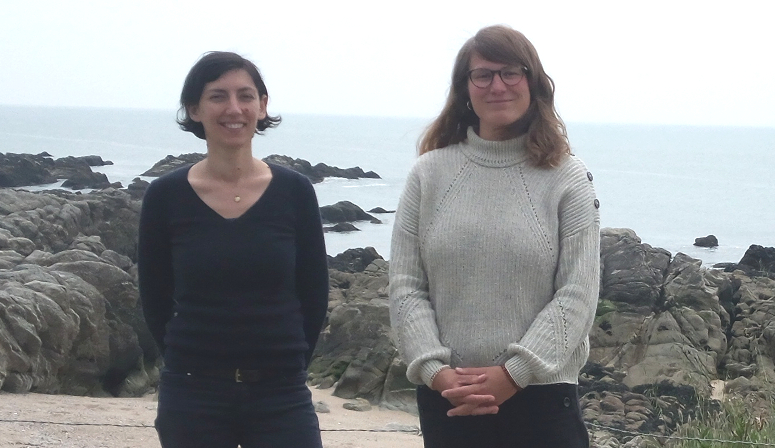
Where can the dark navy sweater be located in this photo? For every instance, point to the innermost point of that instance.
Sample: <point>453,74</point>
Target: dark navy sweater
<point>249,292</point>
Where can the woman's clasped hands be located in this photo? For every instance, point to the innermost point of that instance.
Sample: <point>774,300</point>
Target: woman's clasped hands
<point>474,390</point>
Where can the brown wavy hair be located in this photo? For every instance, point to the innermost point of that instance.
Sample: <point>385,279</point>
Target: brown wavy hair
<point>547,139</point>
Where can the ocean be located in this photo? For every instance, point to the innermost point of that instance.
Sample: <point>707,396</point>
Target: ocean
<point>671,184</point>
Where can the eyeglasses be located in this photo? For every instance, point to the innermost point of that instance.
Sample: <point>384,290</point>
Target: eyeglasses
<point>482,77</point>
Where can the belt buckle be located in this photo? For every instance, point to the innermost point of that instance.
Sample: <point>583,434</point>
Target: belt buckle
<point>237,376</point>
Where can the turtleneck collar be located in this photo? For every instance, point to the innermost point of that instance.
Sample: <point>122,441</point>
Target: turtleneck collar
<point>495,153</point>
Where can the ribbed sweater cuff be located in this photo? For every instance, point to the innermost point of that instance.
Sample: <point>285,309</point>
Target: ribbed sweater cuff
<point>429,369</point>
<point>519,372</point>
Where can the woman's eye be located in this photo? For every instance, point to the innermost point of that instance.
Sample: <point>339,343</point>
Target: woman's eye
<point>482,75</point>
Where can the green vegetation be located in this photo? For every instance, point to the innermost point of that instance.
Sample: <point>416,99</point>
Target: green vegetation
<point>737,424</point>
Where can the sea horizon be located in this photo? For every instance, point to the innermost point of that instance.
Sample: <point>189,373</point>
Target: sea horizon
<point>669,183</point>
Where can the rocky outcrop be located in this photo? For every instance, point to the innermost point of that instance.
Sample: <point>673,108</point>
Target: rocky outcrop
<point>380,210</point>
<point>171,163</point>
<point>315,173</point>
<point>51,221</point>
<point>355,350</point>
<point>759,260</point>
<point>345,211</point>
<point>71,323</point>
<point>70,320</point>
<point>665,328</point>
<point>341,227</point>
<point>17,170</point>
<point>354,260</point>
<point>706,241</point>
<point>137,188</point>
<point>670,326</point>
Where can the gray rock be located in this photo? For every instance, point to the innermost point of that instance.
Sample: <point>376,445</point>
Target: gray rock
<point>321,407</point>
<point>354,260</point>
<point>23,246</point>
<point>18,170</point>
<point>341,227</point>
<point>171,163</point>
<point>315,173</point>
<point>345,211</point>
<point>759,258</point>
<point>380,210</point>
<point>706,241</point>
<point>358,404</point>
<point>632,272</point>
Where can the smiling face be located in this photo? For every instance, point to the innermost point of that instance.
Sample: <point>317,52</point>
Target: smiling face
<point>498,105</point>
<point>229,110</point>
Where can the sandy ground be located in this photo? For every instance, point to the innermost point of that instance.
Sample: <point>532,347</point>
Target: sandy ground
<point>128,423</point>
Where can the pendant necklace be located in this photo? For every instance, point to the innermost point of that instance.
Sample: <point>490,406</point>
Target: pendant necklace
<point>237,198</point>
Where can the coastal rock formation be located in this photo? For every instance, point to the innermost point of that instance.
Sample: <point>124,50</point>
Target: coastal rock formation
<point>315,173</point>
<point>52,220</point>
<point>137,188</point>
<point>171,163</point>
<point>341,227</point>
<point>759,259</point>
<point>665,327</point>
<point>70,320</point>
<point>18,170</point>
<point>380,210</point>
<point>354,260</point>
<point>355,350</point>
<point>672,330</point>
<point>706,241</point>
<point>345,211</point>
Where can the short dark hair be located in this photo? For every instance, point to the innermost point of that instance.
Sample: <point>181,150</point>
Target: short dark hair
<point>208,68</point>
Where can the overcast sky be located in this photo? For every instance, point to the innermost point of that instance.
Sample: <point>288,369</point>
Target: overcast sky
<point>675,62</point>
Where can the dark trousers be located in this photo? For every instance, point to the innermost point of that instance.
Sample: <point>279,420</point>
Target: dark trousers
<point>542,416</point>
<point>204,412</point>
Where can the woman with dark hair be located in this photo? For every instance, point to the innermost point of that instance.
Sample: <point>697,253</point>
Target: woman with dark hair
<point>494,265</point>
<point>233,275</point>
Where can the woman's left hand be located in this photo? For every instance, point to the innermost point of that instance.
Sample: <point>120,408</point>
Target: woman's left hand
<point>495,384</point>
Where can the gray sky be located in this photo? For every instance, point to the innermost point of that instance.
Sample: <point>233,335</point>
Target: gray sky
<point>678,62</point>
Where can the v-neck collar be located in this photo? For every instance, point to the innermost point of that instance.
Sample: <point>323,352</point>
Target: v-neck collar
<point>236,218</point>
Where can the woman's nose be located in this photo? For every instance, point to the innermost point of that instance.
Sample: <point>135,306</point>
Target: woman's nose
<point>497,82</point>
<point>234,104</point>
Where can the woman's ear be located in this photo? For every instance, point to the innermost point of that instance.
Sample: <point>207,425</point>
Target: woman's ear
<point>193,112</point>
<point>262,107</point>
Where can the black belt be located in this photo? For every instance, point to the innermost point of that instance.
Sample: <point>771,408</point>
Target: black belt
<point>240,375</point>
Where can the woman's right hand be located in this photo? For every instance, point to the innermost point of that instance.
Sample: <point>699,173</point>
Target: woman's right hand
<point>469,404</point>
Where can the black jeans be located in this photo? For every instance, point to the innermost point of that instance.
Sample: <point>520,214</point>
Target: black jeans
<point>204,412</point>
<point>542,416</point>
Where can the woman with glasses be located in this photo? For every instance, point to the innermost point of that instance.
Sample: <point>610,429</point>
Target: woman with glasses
<point>233,275</point>
<point>494,265</point>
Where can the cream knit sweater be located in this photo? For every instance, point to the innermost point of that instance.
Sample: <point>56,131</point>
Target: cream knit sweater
<point>495,262</point>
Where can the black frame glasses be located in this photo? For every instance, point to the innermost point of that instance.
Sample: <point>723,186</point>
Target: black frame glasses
<point>511,76</point>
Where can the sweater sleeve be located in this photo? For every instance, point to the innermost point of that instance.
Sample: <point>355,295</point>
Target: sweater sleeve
<point>411,312</point>
<point>155,263</point>
<point>311,266</point>
<point>559,334</point>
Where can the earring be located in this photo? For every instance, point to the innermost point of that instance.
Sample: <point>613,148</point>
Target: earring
<point>468,105</point>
